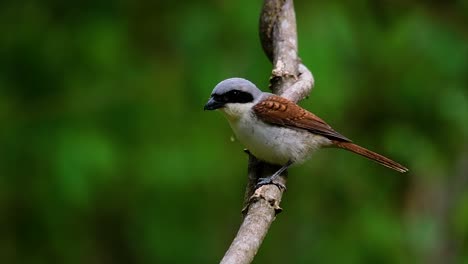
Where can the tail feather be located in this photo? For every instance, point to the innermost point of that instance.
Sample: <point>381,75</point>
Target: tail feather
<point>371,155</point>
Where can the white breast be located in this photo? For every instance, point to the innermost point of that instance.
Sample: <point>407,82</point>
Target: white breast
<point>271,143</point>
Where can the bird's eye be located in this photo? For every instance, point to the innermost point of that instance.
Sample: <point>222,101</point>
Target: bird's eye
<point>233,96</point>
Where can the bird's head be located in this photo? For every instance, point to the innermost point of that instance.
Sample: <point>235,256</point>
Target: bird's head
<point>234,97</point>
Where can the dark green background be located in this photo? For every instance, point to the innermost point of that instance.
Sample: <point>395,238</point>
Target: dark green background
<point>106,155</point>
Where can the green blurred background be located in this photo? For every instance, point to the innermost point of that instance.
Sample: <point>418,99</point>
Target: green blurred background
<point>106,155</point>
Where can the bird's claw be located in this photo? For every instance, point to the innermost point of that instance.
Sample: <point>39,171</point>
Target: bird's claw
<point>270,180</point>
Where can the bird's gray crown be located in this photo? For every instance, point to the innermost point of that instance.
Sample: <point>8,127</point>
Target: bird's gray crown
<point>236,84</point>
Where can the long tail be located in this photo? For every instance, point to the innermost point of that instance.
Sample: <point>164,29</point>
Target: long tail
<point>371,155</point>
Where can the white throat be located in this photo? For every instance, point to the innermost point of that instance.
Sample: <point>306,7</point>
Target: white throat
<point>236,111</point>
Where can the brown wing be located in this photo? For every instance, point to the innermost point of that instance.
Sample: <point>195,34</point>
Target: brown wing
<point>280,111</point>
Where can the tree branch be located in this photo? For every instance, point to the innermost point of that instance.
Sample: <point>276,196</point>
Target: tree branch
<point>290,79</point>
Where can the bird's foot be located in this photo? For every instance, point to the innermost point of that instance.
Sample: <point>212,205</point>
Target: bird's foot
<point>274,179</point>
<point>270,180</point>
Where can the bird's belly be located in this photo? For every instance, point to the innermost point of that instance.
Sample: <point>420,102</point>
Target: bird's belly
<point>276,144</point>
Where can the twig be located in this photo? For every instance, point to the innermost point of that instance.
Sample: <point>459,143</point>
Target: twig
<point>290,79</point>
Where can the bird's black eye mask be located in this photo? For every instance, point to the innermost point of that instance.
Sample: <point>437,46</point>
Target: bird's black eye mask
<point>233,96</point>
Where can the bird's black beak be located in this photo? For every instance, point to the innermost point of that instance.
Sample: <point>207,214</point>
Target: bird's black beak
<point>212,104</point>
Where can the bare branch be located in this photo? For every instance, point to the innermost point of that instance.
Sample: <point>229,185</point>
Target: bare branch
<point>260,211</point>
<point>290,79</point>
<point>302,87</point>
<point>278,35</point>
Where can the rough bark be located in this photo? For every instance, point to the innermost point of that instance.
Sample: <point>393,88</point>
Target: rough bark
<point>290,79</point>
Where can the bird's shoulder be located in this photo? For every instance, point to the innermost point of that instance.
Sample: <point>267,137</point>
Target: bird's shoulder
<point>278,110</point>
<point>275,106</point>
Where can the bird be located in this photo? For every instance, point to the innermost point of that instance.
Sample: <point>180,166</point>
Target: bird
<point>277,130</point>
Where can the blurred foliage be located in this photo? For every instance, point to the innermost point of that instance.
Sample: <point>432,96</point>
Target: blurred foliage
<point>107,157</point>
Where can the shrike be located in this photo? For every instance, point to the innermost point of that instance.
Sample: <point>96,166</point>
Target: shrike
<point>277,130</point>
